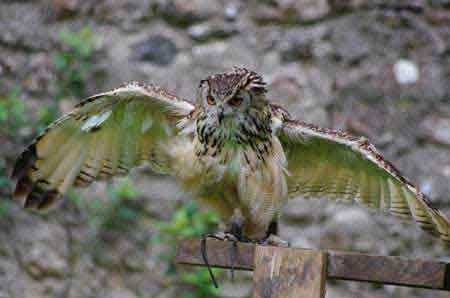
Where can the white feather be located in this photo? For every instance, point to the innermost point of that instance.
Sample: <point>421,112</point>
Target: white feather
<point>95,121</point>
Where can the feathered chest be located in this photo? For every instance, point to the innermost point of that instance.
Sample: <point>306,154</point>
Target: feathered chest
<point>243,155</point>
<point>240,151</point>
<point>225,140</point>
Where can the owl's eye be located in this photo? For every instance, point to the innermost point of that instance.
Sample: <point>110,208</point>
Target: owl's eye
<point>236,101</point>
<point>210,100</point>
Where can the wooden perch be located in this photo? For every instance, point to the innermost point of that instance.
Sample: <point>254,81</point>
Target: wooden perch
<point>311,265</point>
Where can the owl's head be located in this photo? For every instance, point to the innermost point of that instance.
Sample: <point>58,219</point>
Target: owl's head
<point>227,96</point>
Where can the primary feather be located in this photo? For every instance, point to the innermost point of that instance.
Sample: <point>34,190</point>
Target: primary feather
<point>106,135</point>
<point>331,164</point>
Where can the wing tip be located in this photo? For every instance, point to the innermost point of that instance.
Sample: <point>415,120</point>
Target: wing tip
<point>40,199</point>
<point>24,162</point>
<point>28,193</point>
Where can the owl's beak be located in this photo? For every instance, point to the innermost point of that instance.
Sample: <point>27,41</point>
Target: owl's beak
<point>220,115</point>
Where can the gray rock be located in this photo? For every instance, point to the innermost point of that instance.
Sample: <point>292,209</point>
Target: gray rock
<point>290,11</point>
<point>209,31</point>
<point>118,292</point>
<point>231,11</point>
<point>43,250</point>
<point>437,129</point>
<point>304,90</point>
<point>429,167</point>
<point>182,13</point>
<point>302,44</point>
<point>157,49</point>
<point>350,44</point>
<point>15,21</point>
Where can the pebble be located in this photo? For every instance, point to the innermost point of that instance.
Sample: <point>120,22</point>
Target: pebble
<point>406,72</point>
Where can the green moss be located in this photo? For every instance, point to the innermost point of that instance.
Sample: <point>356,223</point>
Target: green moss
<point>186,222</point>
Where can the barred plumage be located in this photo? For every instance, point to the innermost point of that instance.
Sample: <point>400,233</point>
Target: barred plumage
<point>232,149</point>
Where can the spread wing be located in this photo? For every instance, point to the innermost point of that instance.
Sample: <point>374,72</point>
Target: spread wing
<point>327,163</point>
<point>105,135</point>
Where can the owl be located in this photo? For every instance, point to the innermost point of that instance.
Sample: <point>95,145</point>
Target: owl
<point>231,149</point>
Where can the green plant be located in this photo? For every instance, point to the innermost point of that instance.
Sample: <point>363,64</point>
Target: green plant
<point>186,222</point>
<point>73,62</point>
<point>116,213</point>
<point>12,113</point>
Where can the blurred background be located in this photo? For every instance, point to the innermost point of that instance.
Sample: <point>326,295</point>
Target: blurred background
<point>375,68</point>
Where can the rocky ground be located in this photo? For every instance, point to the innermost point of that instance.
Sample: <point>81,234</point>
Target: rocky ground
<point>374,68</point>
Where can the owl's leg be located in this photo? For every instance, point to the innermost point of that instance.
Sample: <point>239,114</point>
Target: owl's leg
<point>235,234</point>
<point>272,237</point>
<point>205,258</point>
<point>272,229</point>
<point>224,236</point>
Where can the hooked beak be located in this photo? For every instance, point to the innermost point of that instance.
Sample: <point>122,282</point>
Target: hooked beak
<point>220,115</point>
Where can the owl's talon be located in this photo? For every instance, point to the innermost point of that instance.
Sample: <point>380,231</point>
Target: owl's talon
<point>205,259</point>
<point>222,236</point>
<point>275,240</point>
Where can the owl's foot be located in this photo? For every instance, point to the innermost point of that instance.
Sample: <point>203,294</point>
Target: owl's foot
<point>223,236</point>
<point>205,254</point>
<point>235,235</point>
<point>275,240</point>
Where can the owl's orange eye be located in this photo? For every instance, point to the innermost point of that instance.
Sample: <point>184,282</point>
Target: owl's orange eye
<point>210,100</point>
<point>236,101</point>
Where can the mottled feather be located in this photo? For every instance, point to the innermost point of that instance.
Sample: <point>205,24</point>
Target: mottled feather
<point>105,135</point>
<point>318,157</point>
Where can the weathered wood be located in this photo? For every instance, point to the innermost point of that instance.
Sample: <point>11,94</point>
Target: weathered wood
<point>218,254</point>
<point>388,270</point>
<point>341,265</point>
<point>288,272</point>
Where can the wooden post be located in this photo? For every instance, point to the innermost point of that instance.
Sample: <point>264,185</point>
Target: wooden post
<point>280,272</point>
<point>288,273</point>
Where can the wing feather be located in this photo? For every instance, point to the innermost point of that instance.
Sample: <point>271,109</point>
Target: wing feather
<point>332,164</point>
<point>105,135</point>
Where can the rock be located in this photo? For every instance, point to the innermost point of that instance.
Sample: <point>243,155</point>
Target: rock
<point>121,293</point>
<point>290,11</point>
<point>354,217</point>
<point>345,5</point>
<point>236,289</point>
<point>66,8</point>
<point>181,13</point>
<point>305,91</point>
<point>351,46</point>
<point>43,250</point>
<point>437,129</point>
<point>209,31</point>
<point>40,73</point>
<point>232,52</point>
<point>302,44</point>
<point>308,10</point>
<point>15,20</point>
<point>440,3</point>
<point>406,72</point>
<point>231,11</point>
<point>157,49</point>
<point>429,166</point>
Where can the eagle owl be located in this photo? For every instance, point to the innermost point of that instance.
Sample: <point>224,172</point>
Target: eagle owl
<point>232,149</point>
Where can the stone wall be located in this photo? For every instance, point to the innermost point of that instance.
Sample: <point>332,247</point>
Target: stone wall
<point>374,68</point>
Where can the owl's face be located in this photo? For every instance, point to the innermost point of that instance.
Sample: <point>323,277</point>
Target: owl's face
<point>229,96</point>
<point>224,107</point>
<point>233,107</point>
